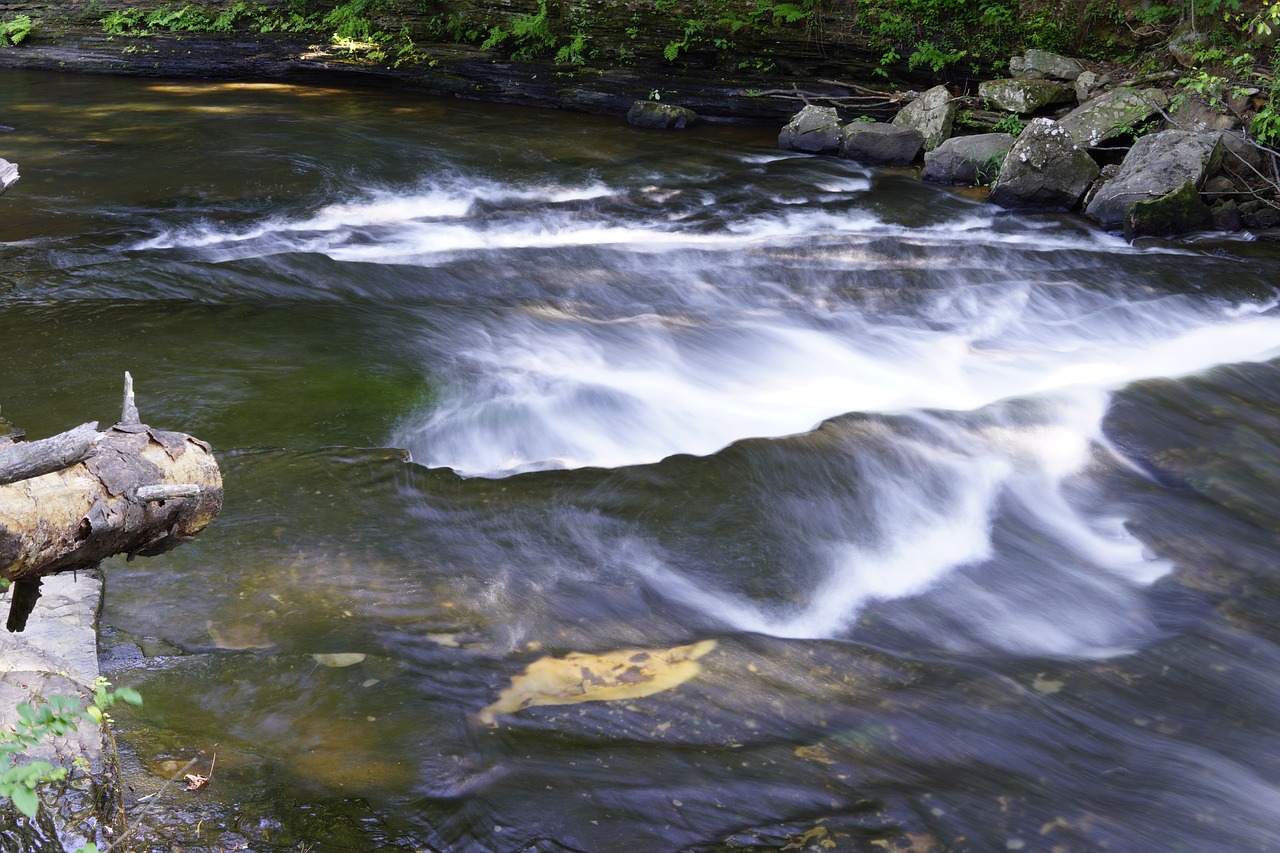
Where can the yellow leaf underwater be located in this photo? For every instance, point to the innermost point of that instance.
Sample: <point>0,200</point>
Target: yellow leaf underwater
<point>579,677</point>
<point>339,660</point>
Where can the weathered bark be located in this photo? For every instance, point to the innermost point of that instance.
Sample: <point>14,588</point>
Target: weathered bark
<point>33,458</point>
<point>132,489</point>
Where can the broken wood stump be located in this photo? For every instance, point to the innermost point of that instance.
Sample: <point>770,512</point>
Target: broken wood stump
<point>70,501</point>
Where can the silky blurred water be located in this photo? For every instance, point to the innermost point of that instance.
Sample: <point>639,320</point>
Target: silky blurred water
<point>979,506</point>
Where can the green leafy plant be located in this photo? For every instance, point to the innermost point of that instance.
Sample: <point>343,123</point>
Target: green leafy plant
<point>1011,124</point>
<point>20,782</point>
<point>124,22</point>
<point>985,172</point>
<point>15,30</point>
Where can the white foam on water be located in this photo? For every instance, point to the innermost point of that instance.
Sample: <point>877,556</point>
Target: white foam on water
<point>557,391</point>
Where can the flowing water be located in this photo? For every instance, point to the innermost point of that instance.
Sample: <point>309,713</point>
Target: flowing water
<point>979,507</point>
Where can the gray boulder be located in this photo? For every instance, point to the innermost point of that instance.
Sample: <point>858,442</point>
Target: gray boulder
<point>1045,65</point>
<point>1157,165</point>
<point>880,144</point>
<point>1044,169</point>
<point>1197,114</point>
<point>1226,216</point>
<point>967,160</point>
<point>1088,83</point>
<point>813,129</point>
<point>1024,95</point>
<point>665,116</point>
<point>1112,114</point>
<point>1259,214</point>
<point>932,114</point>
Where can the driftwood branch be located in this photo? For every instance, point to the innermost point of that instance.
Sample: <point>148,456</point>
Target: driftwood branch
<point>86,495</point>
<point>863,98</point>
<point>32,458</point>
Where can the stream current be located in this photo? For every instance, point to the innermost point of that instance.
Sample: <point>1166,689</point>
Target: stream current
<point>979,506</point>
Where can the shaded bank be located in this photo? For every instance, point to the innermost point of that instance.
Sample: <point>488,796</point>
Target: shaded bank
<point>724,59</point>
<point>71,38</point>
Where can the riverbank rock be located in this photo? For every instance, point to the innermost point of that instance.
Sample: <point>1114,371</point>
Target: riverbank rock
<point>57,655</point>
<point>1112,114</point>
<point>1173,213</point>
<point>878,144</point>
<point>1045,65</point>
<point>967,160</point>
<point>932,114</point>
<point>1195,113</point>
<point>1156,166</point>
<point>8,175</point>
<point>1088,83</point>
<point>813,129</point>
<point>1024,96</point>
<point>1044,169</point>
<point>659,115</point>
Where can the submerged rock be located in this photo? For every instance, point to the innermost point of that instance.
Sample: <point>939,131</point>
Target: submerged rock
<point>1156,166</point>
<point>658,115</point>
<point>813,129</point>
<point>1044,169</point>
<point>967,160</point>
<point>879,144</point>
<point>932,114</point>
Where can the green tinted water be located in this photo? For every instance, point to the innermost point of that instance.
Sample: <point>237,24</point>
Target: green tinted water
<point>1015,589</point>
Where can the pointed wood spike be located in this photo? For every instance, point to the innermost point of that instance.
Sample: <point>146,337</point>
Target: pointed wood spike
<point>129,413</point>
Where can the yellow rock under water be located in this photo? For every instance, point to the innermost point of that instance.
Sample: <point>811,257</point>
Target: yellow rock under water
<point>579,677</point>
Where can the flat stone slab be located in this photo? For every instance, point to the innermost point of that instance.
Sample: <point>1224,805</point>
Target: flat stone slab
<point>61,635</point>
<point>57,655</point>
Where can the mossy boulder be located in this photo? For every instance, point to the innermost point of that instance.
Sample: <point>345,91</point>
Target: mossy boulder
<point>1155,167</point>
<point>1174,213</point>
<point>662,116</point>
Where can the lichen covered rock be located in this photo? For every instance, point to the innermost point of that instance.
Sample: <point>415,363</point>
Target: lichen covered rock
<point>814,129</point>
<point>932,114</point>
<point>1023,95</point>
<point>1045,169</point>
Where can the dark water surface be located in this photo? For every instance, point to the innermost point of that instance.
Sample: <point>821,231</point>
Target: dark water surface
<point>973,513</point>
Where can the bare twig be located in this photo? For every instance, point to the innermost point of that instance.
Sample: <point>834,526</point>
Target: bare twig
<point>153,799</point>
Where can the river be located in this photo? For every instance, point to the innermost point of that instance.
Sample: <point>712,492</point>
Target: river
<point>971,513</point>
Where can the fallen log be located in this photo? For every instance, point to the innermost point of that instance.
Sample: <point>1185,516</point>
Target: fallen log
<point>71,501</point>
